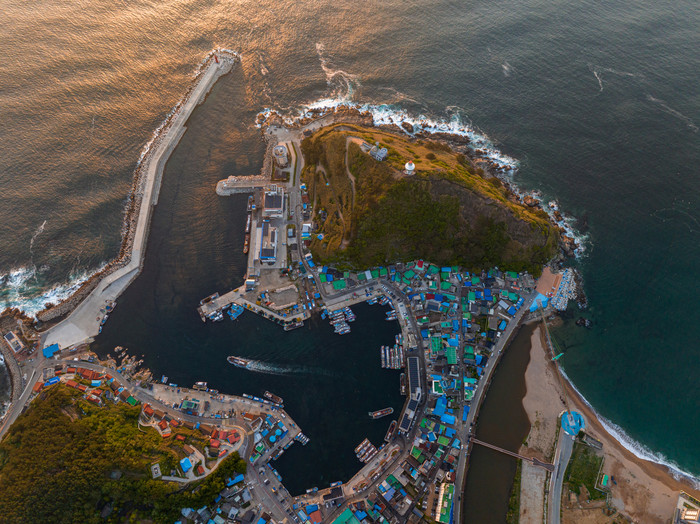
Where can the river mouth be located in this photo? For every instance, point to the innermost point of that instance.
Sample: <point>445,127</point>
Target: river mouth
<point>503,422</point>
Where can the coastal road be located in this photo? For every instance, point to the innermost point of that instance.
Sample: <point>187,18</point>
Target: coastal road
<point>565,445</point>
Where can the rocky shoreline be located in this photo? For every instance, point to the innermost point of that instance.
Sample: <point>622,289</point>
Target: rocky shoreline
<point>486,167</point>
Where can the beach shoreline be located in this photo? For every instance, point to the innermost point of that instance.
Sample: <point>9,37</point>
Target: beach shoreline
<point>646,491</point>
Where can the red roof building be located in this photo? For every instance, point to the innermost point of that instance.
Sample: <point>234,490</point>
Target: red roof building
<point>148,411</point>
<point>37,387</point>
<point>200,470</point>
<point>71,384</point>
<point>82,387</point>
<point>214,443</point>
<point>181,438</point>
<point>163,425</point>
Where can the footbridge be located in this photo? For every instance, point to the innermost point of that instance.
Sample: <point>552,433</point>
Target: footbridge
<point>531,460</point>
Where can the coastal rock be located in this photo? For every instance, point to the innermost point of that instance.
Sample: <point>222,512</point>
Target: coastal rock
<point>557,215</point>
<point>568,246</point>
<point>407,127</point>
<point>530,201</point>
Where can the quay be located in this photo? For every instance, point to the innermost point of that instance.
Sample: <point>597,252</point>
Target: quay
<point>83,323</point>
<point>210,308</point>
<point>240,184</point>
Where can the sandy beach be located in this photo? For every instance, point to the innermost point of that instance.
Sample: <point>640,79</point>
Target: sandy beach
<point>646,492</point>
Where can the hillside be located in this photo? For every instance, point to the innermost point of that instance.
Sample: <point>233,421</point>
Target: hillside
<point>371,213</point>
<point>66,460</point>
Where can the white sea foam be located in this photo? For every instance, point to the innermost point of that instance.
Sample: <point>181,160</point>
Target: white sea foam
<point>268,368</point>
<point>507,68</point>
<point>18,291</point>
<point>342,84</point>
<point>667,109</point>
<point>637,449</point>
<point>482,146</point>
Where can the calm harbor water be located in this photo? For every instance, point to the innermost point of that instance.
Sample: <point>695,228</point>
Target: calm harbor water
<point>598,102</point>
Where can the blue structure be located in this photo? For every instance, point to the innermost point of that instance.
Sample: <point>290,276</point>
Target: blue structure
<point>572,425</point>
<point>50,351</point>
<point>186,465</point>
<point>540,300</point>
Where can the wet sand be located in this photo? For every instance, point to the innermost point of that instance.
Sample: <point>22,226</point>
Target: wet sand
<point>645,491</point>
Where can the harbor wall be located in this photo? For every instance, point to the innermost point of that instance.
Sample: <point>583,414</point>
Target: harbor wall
<point>157,149</point>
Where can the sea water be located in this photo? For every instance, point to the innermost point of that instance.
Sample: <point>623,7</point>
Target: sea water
<point>596,105</point>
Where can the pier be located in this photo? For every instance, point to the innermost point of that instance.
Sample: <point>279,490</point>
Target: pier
<point>84,321</point>
<point>240,184</point>
<point>236,297</point>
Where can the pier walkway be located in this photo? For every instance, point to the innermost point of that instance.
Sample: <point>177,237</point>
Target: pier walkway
<point>84,322</point>
<point>236,297</point>
<point>240,184</point>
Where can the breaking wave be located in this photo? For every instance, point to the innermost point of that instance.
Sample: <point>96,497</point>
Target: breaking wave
<point>637,449</point>
<point>22,288</point>
<point>343,85</point>
<point>505,166</point>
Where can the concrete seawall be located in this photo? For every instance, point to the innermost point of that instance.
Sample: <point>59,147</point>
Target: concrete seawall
<point>83,320</point>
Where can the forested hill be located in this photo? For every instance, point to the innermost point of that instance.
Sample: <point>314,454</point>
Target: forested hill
<point>68,461</point>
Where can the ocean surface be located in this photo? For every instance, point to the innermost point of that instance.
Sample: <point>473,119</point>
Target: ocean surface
<point>596,102</point>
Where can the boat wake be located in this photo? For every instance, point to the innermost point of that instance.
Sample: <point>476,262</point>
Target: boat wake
<point>637,449</point>
<point>667,109</point>
<point>268,368</point>
<point>598,73</point>
<point>23,289</point>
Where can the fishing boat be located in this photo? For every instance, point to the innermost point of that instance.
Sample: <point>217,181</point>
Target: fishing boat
<point>390,432</point>
<point>381,413</point>
<point>402,383</point>
<point>238,362</point>
<point>246,244</point>
<point>273,397</point>
<point>250,203</point>
<point>247,224</point>
<point>235,311</point>
<point>293,325</point>
<point>202,386</point>
<point>391,314</point>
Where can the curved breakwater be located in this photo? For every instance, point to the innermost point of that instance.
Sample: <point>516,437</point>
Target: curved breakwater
<point>122,270</point>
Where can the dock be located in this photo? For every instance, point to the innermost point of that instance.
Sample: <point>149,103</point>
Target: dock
<point>240,184</point>
<point>235,296</point>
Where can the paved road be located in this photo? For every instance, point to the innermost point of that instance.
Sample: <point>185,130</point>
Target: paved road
<point>565,446</point>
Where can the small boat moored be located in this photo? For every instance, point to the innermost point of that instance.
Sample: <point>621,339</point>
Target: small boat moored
<point>381,413</point>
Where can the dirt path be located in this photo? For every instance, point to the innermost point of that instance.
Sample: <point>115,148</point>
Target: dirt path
<point>320,169</point>
<point>357,141</point>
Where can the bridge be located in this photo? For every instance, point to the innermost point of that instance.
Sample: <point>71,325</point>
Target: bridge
<point>240,184</point>
<point>532,460</point>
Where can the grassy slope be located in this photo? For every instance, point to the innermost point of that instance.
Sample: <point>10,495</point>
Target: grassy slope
<point>447,213</point>
<point>56,460</point>
<point>583,469</point>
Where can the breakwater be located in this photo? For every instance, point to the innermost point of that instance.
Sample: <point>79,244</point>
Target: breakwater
<point>79,314</point>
